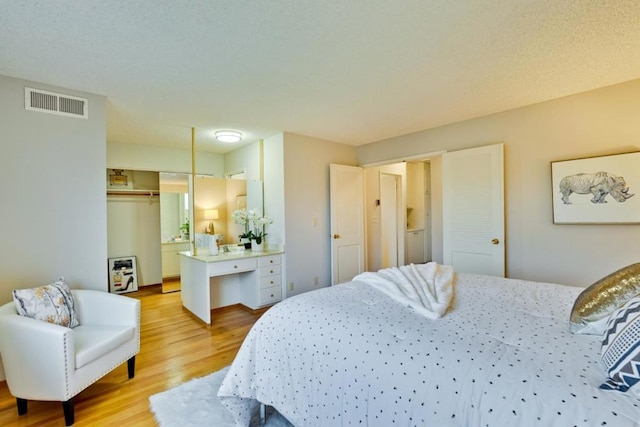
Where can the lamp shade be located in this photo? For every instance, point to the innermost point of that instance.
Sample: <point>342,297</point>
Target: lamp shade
<point>211,214</point>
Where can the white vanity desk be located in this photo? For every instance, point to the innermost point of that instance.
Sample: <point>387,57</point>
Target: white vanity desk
<point>253,279</point>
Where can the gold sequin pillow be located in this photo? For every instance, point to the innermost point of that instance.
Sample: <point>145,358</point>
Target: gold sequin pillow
<point>594,305</point>
<point>52,303</point>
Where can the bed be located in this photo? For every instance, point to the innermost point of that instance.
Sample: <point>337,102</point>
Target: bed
<point>502,355</point>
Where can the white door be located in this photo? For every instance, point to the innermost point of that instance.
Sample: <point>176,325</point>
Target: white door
<point>389,220</point>
<point>347,222</point>
<point>473,210</point>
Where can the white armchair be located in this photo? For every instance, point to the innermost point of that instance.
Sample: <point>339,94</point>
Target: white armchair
<point>44,361</point>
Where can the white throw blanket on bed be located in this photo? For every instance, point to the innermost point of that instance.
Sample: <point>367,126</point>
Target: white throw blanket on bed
<point>428,288</point>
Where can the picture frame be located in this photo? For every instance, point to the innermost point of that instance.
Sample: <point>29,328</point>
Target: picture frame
<point>123,274</point>
<point>119,179</point>
<point>596,190</point>
<point>241,202</point>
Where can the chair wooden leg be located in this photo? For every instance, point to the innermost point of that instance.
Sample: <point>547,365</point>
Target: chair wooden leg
<point>22,406</point>
<point>131,366</point>
<point>67,407</point>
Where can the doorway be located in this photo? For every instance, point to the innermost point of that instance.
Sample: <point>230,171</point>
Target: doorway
<point>390,214</point>
<point>430,199</point>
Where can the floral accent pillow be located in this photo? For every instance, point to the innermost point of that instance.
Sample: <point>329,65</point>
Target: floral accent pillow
<point>52,303</point>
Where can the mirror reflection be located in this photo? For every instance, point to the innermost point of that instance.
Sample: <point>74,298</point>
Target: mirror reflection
<point>174,207</point>
<point>174,226</point>
<point>215,199</point>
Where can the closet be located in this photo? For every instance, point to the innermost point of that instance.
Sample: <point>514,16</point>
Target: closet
<point>133,221</point>
<point>418,231</point>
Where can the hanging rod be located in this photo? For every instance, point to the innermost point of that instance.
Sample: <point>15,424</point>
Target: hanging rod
<point>148,193</point>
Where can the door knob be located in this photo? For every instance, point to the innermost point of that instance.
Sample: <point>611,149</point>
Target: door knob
<point>336,236</point>
<point>495,241</point>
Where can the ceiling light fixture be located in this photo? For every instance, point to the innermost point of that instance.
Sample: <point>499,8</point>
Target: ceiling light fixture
<point>228,136</point>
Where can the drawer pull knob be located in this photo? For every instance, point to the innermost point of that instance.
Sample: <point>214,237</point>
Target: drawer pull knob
<point>271,282</point>
<point>271,261</point>
<point>271,271</point>
<point>271,295</point>
<point>235,266</point>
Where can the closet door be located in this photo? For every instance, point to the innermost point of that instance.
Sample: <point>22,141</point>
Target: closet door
<point>473,210</point>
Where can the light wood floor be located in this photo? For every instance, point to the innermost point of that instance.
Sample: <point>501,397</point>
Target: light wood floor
<point>175,347</point>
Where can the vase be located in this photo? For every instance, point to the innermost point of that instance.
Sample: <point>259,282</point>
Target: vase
<point>257,247</point>
<point>213,244</point>
<point>246,242</point>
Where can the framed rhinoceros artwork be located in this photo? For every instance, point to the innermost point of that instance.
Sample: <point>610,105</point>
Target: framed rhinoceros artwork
<point>597,190</point>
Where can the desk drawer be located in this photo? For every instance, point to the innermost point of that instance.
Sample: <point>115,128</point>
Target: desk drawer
<point>269,260</point>
<point>270,270</point>
<point>267,282</point>
<point>232,266</point>
<point>270,295</point>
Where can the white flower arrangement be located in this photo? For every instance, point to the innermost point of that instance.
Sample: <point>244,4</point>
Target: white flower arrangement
<point>259,223</point>
<point>252,219</point>
<point>241,217</point>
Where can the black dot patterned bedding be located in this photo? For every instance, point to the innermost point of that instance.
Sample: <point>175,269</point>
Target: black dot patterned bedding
<point>502,355</point>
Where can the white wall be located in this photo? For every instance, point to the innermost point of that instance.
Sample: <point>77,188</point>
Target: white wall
<point>599,122</point>
<point>162,159</point>
<point>437,253</point>
<point>274,189</point>
<point>247,159</point>
<point>52,192</point>
<point>306,197</point>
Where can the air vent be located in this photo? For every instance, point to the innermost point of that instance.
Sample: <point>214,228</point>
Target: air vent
<point>56,103</point>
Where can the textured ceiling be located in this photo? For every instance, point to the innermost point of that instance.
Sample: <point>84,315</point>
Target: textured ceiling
<point>352,71</point>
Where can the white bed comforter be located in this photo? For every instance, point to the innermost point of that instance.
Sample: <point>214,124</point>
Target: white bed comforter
<point>351,355</point>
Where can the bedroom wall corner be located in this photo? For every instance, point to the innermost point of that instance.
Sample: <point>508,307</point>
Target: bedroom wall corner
<point>306,185</point>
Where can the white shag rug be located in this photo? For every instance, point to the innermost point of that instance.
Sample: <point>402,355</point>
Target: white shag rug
<point>195,403</point>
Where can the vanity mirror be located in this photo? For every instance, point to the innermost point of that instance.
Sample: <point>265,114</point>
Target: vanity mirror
<point>209,194</point>
<point>174,207</point>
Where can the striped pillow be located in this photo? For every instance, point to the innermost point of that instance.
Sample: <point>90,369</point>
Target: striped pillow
<point>621,348</point>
